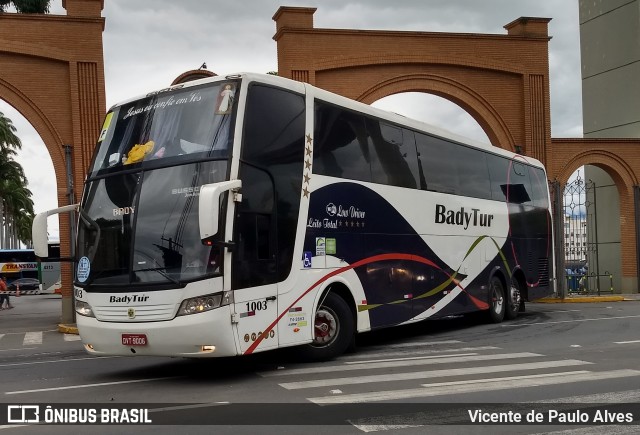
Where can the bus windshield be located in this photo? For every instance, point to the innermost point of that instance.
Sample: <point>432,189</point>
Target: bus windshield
<point>138,222</point>
<point>168,127</point>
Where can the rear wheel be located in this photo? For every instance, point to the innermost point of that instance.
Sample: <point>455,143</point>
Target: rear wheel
<point>333,330</point>
<point>497,302</point>
<point>514,298</point>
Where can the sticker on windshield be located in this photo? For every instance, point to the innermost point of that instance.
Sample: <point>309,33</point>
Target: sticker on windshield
<point>84,267</point>
<point>225,99</point>
<point>105,126</point>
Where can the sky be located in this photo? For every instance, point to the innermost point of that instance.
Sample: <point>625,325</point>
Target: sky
<point>148,43</point>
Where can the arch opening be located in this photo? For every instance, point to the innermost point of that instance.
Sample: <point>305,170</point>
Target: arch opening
<point>435,110</point>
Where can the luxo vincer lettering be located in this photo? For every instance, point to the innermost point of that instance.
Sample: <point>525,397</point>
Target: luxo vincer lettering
<point>462,218</point>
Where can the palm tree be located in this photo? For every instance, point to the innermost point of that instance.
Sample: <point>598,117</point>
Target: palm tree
<point>27,6</point>
<point>16,205</point>
<point>8,138</point>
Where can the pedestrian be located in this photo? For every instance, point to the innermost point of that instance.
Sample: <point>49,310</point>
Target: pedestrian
<point>4,294</point>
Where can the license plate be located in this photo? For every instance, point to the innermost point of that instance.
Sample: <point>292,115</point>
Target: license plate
<point>134,339</point>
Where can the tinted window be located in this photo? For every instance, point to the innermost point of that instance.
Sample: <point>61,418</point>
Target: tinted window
<point>340,145</point>
<point>437,159</point>
<point>181,124</point>
<point>498,171</point>
<point>538,187</point>
<point>473,174</point>
<point>393,155</point>
<point>510,181</point>
<point>273,156</point>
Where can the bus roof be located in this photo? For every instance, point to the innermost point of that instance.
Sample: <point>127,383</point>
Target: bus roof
<point>348,103</point>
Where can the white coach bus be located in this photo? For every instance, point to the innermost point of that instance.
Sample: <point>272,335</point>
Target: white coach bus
<point>233,215</point>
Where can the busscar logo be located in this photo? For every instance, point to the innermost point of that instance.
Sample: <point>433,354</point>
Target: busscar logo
<point>462,218</point>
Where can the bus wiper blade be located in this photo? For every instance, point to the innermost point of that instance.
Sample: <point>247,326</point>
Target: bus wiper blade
<point>161,271</point>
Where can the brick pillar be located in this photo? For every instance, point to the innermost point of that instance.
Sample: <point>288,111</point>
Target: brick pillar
<point>83,8</point>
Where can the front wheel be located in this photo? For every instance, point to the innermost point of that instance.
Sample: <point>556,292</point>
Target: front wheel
<point>333,330</point>
<point>497,300</point>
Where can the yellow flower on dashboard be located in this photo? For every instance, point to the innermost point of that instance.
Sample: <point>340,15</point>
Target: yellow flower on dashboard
<point>138,152</point>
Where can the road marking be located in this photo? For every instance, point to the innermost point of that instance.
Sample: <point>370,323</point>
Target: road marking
<point>595,430</point>
<point>72,337</point>
<point>504,325</point>
<point>32,338</point>
<point>56,360</point>
<point>417,352</point>
<point>101,384</point>
<point>476,385</point>
<point>402,363</point>
<point>423,343</point>
<point>628,396</point>
<point>394,377</point>
<point>409,358</point>
<point>627,342</point>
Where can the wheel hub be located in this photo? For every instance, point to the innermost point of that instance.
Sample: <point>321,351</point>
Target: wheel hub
<point>325,327</point>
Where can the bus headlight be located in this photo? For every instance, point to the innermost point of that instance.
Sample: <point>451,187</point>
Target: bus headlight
<point>84,309</point>
<point>204,303</point>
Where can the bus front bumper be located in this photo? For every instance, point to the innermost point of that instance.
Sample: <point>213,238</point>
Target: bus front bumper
<point>203,335</point>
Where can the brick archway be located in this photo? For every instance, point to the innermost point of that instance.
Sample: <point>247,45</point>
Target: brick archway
<point>490,121</point>
<point>52,72</point>
<point>502,81</point>
<point>367,65</point>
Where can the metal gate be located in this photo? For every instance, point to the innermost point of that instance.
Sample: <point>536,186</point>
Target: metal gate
<point>576,231</point>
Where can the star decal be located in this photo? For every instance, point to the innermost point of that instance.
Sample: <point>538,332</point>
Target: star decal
<point>308,150</point>
<point>309,139</point>
<point>307,179</point>
<point>307,164</point>
<point>305,192</point>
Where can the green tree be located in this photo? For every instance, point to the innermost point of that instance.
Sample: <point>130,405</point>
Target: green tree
<point>16,205</point>
<point>27,6</point>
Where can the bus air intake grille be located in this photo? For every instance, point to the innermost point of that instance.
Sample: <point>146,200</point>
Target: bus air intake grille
<point>133,313</point>
<point>543,270</point>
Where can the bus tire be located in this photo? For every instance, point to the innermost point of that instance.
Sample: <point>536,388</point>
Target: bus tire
<point>497,303</point>
<point>514,298</point>
<point>333,330</point>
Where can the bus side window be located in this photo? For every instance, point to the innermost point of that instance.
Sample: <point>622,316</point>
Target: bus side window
<point>273,155</point>
<point>538,187</point>
<point>473,172</point>
<point>498,171</point>
<point>340,145</point>
<point>393,155</point>
<point>438,164</point>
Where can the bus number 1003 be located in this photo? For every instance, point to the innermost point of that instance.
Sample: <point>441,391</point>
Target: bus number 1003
<point>257,306</point>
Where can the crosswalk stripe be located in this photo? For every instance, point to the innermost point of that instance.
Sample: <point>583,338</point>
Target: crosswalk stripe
<point>422,343</point>
<point>351,359</point>
<point>32,338</point>
<point>71,337</point>
<point>476,385</point>
<point>442,359</point>
<point>430,374</point>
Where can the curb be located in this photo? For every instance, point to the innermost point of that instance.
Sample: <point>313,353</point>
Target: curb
<point>68,329</point>
<point>584,299</point>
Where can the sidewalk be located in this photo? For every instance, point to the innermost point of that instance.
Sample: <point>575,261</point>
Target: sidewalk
<point>574,298</point>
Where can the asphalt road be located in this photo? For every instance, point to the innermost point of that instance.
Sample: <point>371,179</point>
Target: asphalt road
<point>441,376</point>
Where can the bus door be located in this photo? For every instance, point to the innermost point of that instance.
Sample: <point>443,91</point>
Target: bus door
<point>254,274</point>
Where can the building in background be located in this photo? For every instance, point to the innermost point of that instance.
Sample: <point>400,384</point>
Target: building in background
<point>610,48</point>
